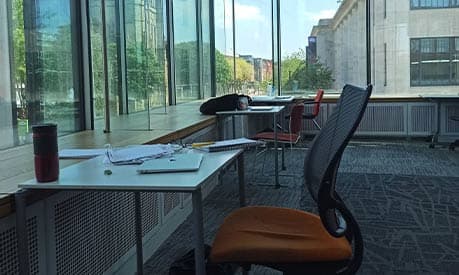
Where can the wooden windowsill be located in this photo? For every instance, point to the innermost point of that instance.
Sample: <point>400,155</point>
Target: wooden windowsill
<point>17,163</point>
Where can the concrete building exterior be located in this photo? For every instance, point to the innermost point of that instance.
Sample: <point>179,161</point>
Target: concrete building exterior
<point>414,46</point>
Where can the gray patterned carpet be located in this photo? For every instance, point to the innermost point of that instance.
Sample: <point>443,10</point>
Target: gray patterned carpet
<point>404,196</point>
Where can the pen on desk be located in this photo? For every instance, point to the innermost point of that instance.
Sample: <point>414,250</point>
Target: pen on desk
<point>201,144</point>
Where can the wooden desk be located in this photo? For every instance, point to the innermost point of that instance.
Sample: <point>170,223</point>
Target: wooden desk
<point>89,176</point>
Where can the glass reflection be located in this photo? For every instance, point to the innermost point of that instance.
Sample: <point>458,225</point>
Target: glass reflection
<point>185,51</point>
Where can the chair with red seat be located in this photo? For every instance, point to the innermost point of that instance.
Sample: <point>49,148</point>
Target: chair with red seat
<point>315,109</point>
<point>295,241</point>
<point>292,136</point>
<point>295,127</point>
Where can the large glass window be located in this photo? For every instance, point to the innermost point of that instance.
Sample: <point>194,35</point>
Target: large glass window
<point>41,82</point>
<point>6,98</point>
<point>433,61</point>
<point>134,79</point>
<point>224,52</point>
<point>429,4</point>
<point>308,46</point>
<point>254,51</point>
<point>145,54</point>
<point>186,51</point>
<point>205,49</point>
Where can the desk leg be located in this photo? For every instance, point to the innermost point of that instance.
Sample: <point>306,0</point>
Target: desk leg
<point>276,157</point>
<point>138,232</point>
<point>437,133</point>
<point>198,232</point>
<point>21,232</point>
<point>241,178</point>
<point>234,126</point>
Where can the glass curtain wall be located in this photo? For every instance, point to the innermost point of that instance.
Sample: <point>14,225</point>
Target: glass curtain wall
<point>145,54</point>
<point>8,115</point>
<point>42,73</point>
<point>254,46</point>
<point>205,50</point>
<point>135,54</point>
<point>224,65</point>
<point>307,56</point>
<point>186,51</point>
<point>243,46</point>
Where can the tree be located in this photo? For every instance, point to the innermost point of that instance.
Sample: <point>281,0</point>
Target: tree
<point>306,76</point>
<point>222,68</point>
<point>19,56</point>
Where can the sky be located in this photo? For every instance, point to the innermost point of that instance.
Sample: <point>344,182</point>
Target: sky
<point>253,25</point>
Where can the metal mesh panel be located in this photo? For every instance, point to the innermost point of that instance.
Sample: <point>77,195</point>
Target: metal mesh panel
<point>383,118</point>
<point>171,200</point>
<point>422,119</point>
<point>451,125</point>
<point>94,230</point>
<point>150,214</point>
<point>8,249</point>
<point>329,143</point>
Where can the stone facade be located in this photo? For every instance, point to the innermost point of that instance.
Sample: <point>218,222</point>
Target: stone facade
<point>341,43</point>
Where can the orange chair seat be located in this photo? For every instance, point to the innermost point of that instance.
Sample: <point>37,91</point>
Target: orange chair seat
<point>281,137</point>
<point>261,234</point>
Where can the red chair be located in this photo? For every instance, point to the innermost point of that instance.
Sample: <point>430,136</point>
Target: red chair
<point>295,126</point>
<point>292,136</point>
<point>315,109</point>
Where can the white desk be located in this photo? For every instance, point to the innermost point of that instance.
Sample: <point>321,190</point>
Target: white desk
<point>89,176</point>
<point>274,111</point>
<point>439,99</point>
<point>272,100</point>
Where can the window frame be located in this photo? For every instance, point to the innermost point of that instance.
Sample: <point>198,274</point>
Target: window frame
<point>417,57</point>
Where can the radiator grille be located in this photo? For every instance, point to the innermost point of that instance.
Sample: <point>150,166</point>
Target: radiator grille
<point>150,214</point>
<point>422,119</point>
<point>93,230</point>
<point>171,200</point>
<point>451,125</point>
<point>383,119</point>
<point>8,249</point>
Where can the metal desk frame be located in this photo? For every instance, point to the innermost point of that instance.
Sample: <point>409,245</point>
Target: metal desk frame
<point>71,179</point>
<point>275,110</point>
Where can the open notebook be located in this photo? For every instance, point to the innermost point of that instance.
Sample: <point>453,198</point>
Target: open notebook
<point>175,163</point>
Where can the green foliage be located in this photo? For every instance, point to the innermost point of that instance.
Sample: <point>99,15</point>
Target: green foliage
<point>19,55</point>
<point>306,76</point>
<point>244,70</point>
<point>222,68</point>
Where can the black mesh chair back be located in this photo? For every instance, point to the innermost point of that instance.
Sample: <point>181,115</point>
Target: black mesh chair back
<point>322,162</point>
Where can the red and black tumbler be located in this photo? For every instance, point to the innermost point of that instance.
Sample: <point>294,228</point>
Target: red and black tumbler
<point>45,151</point>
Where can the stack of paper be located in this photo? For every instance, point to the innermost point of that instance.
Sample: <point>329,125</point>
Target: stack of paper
<point>138,154</point>
<point>231,144</point>
<point>127,155</point>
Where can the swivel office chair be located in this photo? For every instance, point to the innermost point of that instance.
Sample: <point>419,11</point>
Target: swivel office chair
<point>299,242</point>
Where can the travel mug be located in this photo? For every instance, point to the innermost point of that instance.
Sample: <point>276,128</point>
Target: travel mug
<point>45,152</point>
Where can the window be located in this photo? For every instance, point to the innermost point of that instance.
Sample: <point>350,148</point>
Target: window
<point>186,51</point>
<point>433,4</point>
<point>434,61</point>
